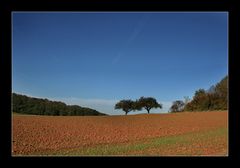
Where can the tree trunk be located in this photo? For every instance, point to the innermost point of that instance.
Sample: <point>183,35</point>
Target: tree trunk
<point>148,111</point>
<point>125,113</point>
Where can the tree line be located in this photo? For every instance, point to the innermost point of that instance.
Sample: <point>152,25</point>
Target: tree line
<point>36,106</point>
<point>215,98</point>
<point>144,102</point>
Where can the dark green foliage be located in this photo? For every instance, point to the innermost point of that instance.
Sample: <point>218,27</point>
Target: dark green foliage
<point>28,105</point>
<point>137,106</point>
<point>125,105</point>
<point>148,103</point>
<point>144,102</point>
<point>215,98</point>
<point>177,106</point>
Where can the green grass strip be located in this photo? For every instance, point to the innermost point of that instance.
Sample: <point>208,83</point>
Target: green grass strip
<point>142,147</point>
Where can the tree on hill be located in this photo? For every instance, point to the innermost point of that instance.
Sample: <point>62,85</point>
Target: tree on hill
<point>148,103</point>
<point>125,105</point>
<point>177,106</point>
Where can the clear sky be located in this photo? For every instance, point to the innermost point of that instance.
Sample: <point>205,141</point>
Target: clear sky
<point>96,59</point>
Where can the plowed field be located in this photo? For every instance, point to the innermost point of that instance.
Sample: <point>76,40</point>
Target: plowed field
<point>196,133</point>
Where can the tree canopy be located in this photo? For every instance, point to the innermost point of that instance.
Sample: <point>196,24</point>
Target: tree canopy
<point>144,102</point>
<point>125,105</point>
<point>177,106</point>
<point>148,103</point>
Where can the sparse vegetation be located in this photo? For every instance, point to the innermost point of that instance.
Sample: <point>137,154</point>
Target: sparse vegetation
<point>170,145</point>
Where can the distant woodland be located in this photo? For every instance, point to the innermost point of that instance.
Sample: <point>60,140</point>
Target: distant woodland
<point>215,98</point>
<point>36,106</point>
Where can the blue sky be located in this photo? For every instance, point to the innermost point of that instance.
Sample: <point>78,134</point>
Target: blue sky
<point>95,59</point>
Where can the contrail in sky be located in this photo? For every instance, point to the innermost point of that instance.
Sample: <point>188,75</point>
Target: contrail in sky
<point>136,31</point>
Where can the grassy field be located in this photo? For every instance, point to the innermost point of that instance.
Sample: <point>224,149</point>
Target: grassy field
<point>185,134</point>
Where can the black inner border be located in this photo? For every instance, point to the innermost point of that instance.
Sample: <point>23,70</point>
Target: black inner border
<point>107,5</point>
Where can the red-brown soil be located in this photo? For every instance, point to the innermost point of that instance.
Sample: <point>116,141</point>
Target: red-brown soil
<point>32,134</point>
